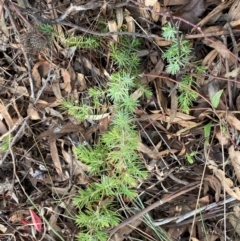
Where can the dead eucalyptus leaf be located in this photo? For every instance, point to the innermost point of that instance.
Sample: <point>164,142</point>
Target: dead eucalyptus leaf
<point>112,25</point>
<point>55,157</point>
<point>156,10</point>
<point>233,121</point>
<point>150,2</point>
<point>234,12</point>
<point>235,160</point>
<point>119,16</point>
<point>191,13</point>
<point>130,24</point>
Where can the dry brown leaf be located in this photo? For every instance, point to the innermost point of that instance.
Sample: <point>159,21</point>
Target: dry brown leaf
<point>3,228</point>
<point>53,112</point>
<point>39,70</point>
<point>88,64</point>
<point>67,80</point>
<point>130,24</point>
<point>223,137</point>
<point>156,10</point>
<point>219,46</point>
<point>56,90</point>
<point>4,113</point>
<point>233,121</point>
<point>81,81</point>
<point>234,220</point>
<point>176,232</point>
<point>55,157</point>
<point>208,60</point>
<point>149,3</point>
<point>174,106</point>
<point>175,2</point>
<point>121,233</point>
<point>162,42</point>
<point>6,186</point>
<point>234,12</point>
<point>233,73</point>
<point>112,25</point>
<point>3,26</point>
<point>235,160</point>
<point>194,239</point>
<point>52,103</point>
<point>238,103</point>
<point>153,154</point>
<point>226,183</point>
<point>97,117</point>
<point>19,90</point>
<point>219,8</point>
<point>154,73</point>
<point>119,16</point>
<point>161,99</point>
<point>191,13</point>
<point>18,215</point>
<point>32,112</point>
<point>3,128</point>
<point>163,117</point>
<point>214,183</point>
<point>103,124</point>
<point>57,132</point>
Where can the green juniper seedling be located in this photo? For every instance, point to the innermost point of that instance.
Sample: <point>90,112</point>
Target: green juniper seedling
<point>113,160</point>
<point>178,56</point>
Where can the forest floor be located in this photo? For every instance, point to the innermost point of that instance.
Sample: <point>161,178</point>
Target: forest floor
<point>56,51</point>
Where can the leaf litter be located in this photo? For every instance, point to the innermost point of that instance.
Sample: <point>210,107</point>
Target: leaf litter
<point>41,135</point>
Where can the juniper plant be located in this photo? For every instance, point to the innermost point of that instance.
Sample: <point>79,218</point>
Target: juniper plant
<point>178,56</point>
<point>113,160</point>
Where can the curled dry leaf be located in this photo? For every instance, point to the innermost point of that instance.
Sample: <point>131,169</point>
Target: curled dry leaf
<point>4,113</point>
<point>112,25</point>
<point>226,183</point>
<point>233,121</point>
<point>234,12</point>
<point>156,10</point>
<point>40,69</point>
<point>234,220</point>
<point>3,128</point>
<point>191,13</point>
<point>238,102</point>
<point>119,16</point>
<point>130,24</point>
<point>214,183</point>
<point>222,136</point>
<point>67,80</point>
<point>32,112</point>
<point>235,160</point>
<point>219,46</point>
<point>55,157</point>
<point>150,3</point>
<point>153,154</point>
<point>121,233</point>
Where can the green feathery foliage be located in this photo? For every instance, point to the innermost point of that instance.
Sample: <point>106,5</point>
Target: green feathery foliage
<point>178,56</point>
<point>113,161</point>
<point>69,41</point>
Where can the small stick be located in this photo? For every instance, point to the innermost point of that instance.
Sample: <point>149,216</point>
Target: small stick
<point>235,49</point>
<point>182,191</point>
<point>24,53</point>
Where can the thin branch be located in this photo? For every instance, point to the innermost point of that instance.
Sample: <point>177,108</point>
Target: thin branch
<point>72,8</point>
<point>24,53</point>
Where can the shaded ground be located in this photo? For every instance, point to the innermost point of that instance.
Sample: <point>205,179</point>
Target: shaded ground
<point>192,159</point>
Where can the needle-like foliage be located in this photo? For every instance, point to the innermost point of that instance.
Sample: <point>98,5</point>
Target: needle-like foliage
<point>178,56</point>
<point>113,161</point>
